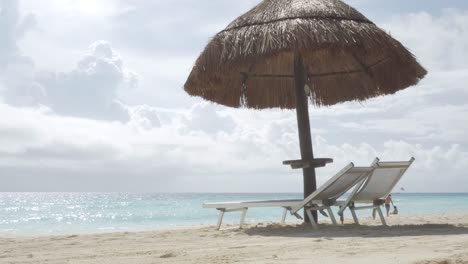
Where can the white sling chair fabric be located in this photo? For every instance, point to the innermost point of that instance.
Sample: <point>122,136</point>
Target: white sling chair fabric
<point>376,187</point>
<point>322,198</point>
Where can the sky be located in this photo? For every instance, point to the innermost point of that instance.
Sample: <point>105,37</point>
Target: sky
<point>92,99</point>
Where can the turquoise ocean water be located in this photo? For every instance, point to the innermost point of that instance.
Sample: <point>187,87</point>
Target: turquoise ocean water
<point>55,213</point>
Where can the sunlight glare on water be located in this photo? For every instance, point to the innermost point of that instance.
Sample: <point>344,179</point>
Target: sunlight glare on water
<point>35,213</point>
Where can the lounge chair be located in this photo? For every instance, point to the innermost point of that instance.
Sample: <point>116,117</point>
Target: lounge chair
<point>375,188</point>
<point>321,199</point>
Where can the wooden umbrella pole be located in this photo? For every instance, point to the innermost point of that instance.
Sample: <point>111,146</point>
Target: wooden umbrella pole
<point>305,140</point>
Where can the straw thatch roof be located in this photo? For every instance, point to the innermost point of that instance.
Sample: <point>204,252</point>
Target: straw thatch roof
<point>346,57</point>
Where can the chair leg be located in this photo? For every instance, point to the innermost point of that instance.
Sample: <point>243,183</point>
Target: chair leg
<point>382,218</point>
<point>341,214</point>
<point>244,213</point>
<point>220,219</point>
<point>283,219</point>
<point>331,215</point>
<point>353,212</point>
<point>311,218</point>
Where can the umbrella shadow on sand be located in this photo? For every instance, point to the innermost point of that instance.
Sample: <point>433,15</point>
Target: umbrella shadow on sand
<point>358,231</point>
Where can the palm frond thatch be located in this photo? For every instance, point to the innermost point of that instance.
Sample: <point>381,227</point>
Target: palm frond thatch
<point>347,57</point>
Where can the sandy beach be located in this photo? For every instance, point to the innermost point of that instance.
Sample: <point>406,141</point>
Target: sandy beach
<point>436,238</point>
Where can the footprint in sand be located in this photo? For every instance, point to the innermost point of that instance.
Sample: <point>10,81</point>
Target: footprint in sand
<point>168,255</point>
<point>239,247</point>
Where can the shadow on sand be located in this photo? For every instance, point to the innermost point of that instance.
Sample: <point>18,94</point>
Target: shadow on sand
<point>361,231</point>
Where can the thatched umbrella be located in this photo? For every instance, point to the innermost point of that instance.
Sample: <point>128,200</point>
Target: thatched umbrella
<point>285,53</point>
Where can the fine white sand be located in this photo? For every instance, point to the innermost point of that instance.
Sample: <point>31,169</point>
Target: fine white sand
<point>421,239</point>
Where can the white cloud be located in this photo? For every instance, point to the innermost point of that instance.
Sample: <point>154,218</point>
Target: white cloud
<point>435,110</point>
<point>202,147</point>
<point>90,90</point>
<point>445,123</point>
<point>441,42</point>
<point>167,156</point>
<point>13,27</point>
<point>206,118</point>
<point>144,116</point>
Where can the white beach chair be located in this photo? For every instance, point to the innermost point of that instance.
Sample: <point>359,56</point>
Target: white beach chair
<point>321,199</point>
<point>375,188</point>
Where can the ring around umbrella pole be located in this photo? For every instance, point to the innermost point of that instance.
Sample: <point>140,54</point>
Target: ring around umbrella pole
<point>303,124</point>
